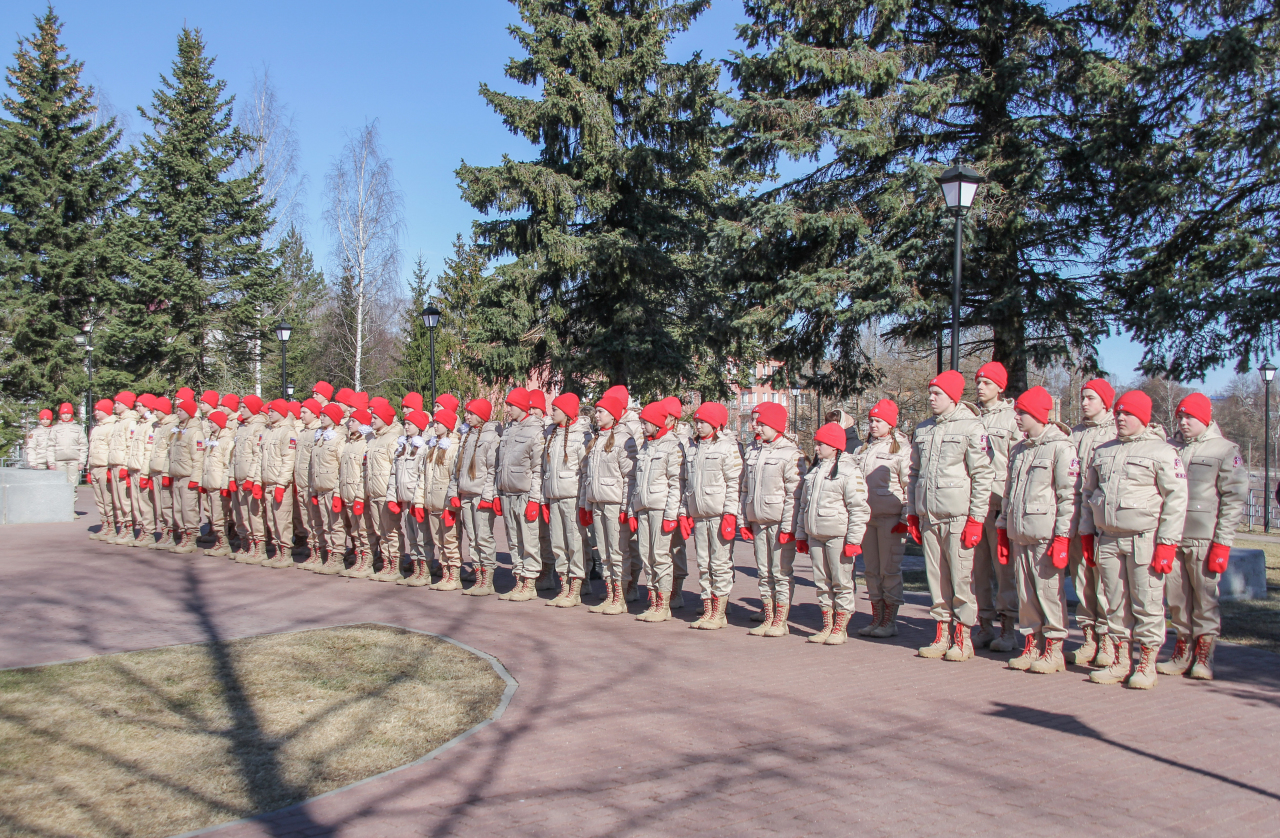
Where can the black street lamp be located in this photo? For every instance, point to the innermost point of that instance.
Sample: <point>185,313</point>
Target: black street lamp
<point>431,319</point>
<point>283,331</point>
<point>959,186</point>
<point>86,340</point>
<point>1268,371</point>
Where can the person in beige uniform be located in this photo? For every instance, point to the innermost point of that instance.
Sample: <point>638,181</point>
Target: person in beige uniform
<point>683,432</point>
<point>609,460</point>
<point>709,509</point>
<point>772,480</point>
<point>561,476</point>
<point>1099,426</point>
<point>832,520</point>
<point>138,462</point>
<point>474,491</point>
<point>1035,529</point>
<point>519,497</point>
<point>630,420</point>
<point>885,462</point>
<point>383,525</point>
<point>435,489</point>
<point>159,483</point>
<point>36,446</point>
<point>214,480</point>
<point>279,454</point>
<point>311,527</point>
<point>322,392</point>
<point>1217,486</point>
<point>323,479</point>
<point>68,445</point>
<point>99,471</point>
<point>246,474</point>
<point>122,433</point>
<point>1135,494</point>
<point>653,510</point>
<point>546,580</point>
<point>352,495</point>
<point>402,496</point>
<point>948,496</point>
<point>186,463</point>
<point>994,583</point>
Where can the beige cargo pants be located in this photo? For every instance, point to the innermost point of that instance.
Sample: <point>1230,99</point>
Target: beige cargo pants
<point>144,509</point>
<point>567,544</point>
<point>714,556</point>
<point>102,497</point>
<point>882,552</point>
<point>1192,592</point>
<point>121,500</point>
<point>219,509</point>
<point>162,502</point>
<point>612,540</point>
<point>384,532</point>
<point>249,518</point>
<point>71,468</point>
<point>993,583</point>
<point>522,537</point>
<point>352,529</point>
<point>655,549</point>
<point>775,563</point>
<point>186,503</point>
<point>1092,610</point>
<point>833,575</point>
<point>447,539</point>
<point>279,518</point>
<point>479,526</point>
<point>1042,603</point>
<point>1134,592</point>
<point>949,569</point>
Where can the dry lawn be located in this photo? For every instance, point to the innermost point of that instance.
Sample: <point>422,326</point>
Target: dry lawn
<point>1256,622</point>
<point>170,740</point>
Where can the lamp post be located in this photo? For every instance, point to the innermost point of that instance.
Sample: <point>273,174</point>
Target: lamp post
<point>86,340</point>
<point>431,319</point>
<point>283,332</point>
<point>288,389</point>
<point>959,186</point>
<point>1268,371</point>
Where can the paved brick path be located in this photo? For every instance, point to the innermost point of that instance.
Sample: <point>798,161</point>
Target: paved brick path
<point>626,729</point>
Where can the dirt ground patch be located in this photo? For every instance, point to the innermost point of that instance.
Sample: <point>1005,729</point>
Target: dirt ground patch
<point>169,740</point>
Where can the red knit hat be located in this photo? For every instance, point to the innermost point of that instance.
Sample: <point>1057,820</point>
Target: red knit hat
<point>384,412</point>
<point>655,413</point>
<point>324,388</point>
<point>334,411</point>
<point>618,391</point>
<point>713,413</point>
<point>613,404</point>
<point>126,398</point>
<point>185,393</point>
<point>218,418</point>
<point>481,408</point>
<point>1036,403</point>
<point>1137,404</point>
<point>163,405</point>
<point>446,400</point>
<point>210,397</point>
<point>46,414</point>
<point>994,372</point>
<point>1104,390</point>
<point>362,416</point>
<point>105,405</point>
<point>189,407</point>
<point>360,400</point>
<point>447,418</point>
<point>418,419</point>
<point>772,415</point>
<point>569,404</point>
<point>951,383</point>
<point>885,410</point>
<point>518,398</point>
<point>279,406</point>
<point>413,401</point>
<point>313,406</point>
<point>146,400</point>
<point>674,406</point>
<point>253,403</point>
<point>538,399</point>
<point>1197,406</point>
<point>832,434</point>
<point>231,402</point>
<point>296,409</point>
<point>345,396</point>
<point>66,407</point>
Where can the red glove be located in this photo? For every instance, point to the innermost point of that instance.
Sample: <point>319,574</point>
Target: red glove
<point>899,528</point>
<point>144,482</point>
<point>226,493</point>
<point>394,507</point>
<point>257,491</point>
<point>497,506</point>
<point>1162,557</point>
<point>971,534</point>
<point>785,538</point>
<point>88,477</point>
<point>485,504</point>
<point>585,517</point>
<point>668,526</point>
<point>279,494</point>
<point>633,524</point>
<point>1218,556</point>
<point>546,513</point>
<point>449,517</point>
<point>686,526</point>
<point>231,486</point>
<point>1086,549</point>
<point>124,474</point>
<point>622,516</point>
<point>802,545</point>
<point>193,484</point>
<point>419,514</point>
<point>1058,551</point>
<point>337,505</point>
<point>109,476</point>
<point>247,486</point>
<point>913,527</point>
<point>745,533</point>
<point>851,550</point>
<point>202,490</point>
<point>728,526</point>
<point>1002,546</point>
<point>315,501</point>
<point>165,481</point>
<point>531,511</point>
<point>455,503</point>
<point>357,507</point>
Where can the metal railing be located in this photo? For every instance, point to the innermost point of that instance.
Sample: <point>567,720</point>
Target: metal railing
<point>1253,511</point>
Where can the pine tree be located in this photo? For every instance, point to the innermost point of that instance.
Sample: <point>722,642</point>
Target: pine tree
<point>458,296</point>
<point>304,295</point>
<point>202,270</point>
<point>616,207</point>
<point>62,187</point>
<point>879,96</point>
<point>414,364</point>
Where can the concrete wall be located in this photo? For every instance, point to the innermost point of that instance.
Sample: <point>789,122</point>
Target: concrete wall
<point>29,496</point>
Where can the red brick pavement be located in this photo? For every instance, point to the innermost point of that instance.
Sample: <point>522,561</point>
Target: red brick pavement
<point>625,728</point>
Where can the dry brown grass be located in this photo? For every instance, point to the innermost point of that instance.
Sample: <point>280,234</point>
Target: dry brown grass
<point>170,740</point>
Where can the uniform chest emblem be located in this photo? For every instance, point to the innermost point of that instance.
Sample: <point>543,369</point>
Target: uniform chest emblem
<point>1073,470</point>
<point>1180,470</point>
<point>199,444</point>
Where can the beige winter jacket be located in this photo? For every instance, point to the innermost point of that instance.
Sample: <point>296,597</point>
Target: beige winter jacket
<point>302,458</point>
<point>886,472</point>
<point>380,455</point>
<point>351,470</point>
<point>520,459</point>
<point>712,477</point>
<point>100,442</point>
<point>122,433</point>
<point>142,443</point>
<point>217,457</point>
<point>186,450</point>
<point>562,459</point>
<point>477,468</point>
<point>279,454</point>
<point>36,447</point>
<point>1039,502</point>
<point>1217,486</point>
<point>1002,434</point>
<point>68,444</point>
<point>772,482</point>
<point>438,463</point>
<point>1134,485</point>
<point>326,455</point>
<point>656,480</point>
<point>158,465</point>
<point>1087,436</point>
<point>951,472</point>
<point>246,462</point>
<point>834,506</point>
<point>610,464</point>
<point>406,470</point>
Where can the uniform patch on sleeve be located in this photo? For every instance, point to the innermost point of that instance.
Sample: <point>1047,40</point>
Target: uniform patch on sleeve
<point>1237,463</point>
<point>1073,470</point>
<point>1179,469</point>
<point>293,443</point>
<point>199,444</point>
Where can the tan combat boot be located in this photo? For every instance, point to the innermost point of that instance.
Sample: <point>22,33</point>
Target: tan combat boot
<point>877,614</point>
<point>888,622</point>
<point>143,539</point>
<point>941,643</point>
<point>961,645</point>
<point>983,637</point>
<point>334,563</point>
<point>484,582</point>
<point>418,578</point>
<point>717,620</point>
<point>249,552</point>
<point>779,627</point>
<point>1083,654</point>
<point>188,544</point>
<point>525,591</point>
<point>1144,673</point>
<point>455,578</point>
<point>1106,651</point>
<point>822,634</point>
<point>661,610</point>
<point>220,547</point>
<point>1030,653</point>
<point>708,606</point>
<point>1119,667</point>
<point>676,597</point>
<point>390,570</point>
<point>608,597</point>
<point>617,605</point>
<point>1183,657</point>
<point>1008,638</point>
<point>564,591</point>
<point>166,540</point>
<point>653,603</point>
<point>1051,661</point>
<point>363,568</point>
<point>1202,669</point>
<point>840,629</point>
<point>574,597</point>
<point>315,559</point>
<point>766,618</point>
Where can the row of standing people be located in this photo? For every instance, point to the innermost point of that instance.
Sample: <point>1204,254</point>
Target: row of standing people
<point>58,446</point>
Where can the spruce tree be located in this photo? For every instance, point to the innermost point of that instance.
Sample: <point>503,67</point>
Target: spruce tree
<point>876,98</point>
<point>608,224</point>
<point>62,187</point>
<point>303,293</point>
<point>414,363</point>
<point>458,296</point>
<point>202,271</point>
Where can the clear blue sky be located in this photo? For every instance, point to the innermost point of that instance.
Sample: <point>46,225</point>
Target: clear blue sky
<point>415,67</point>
